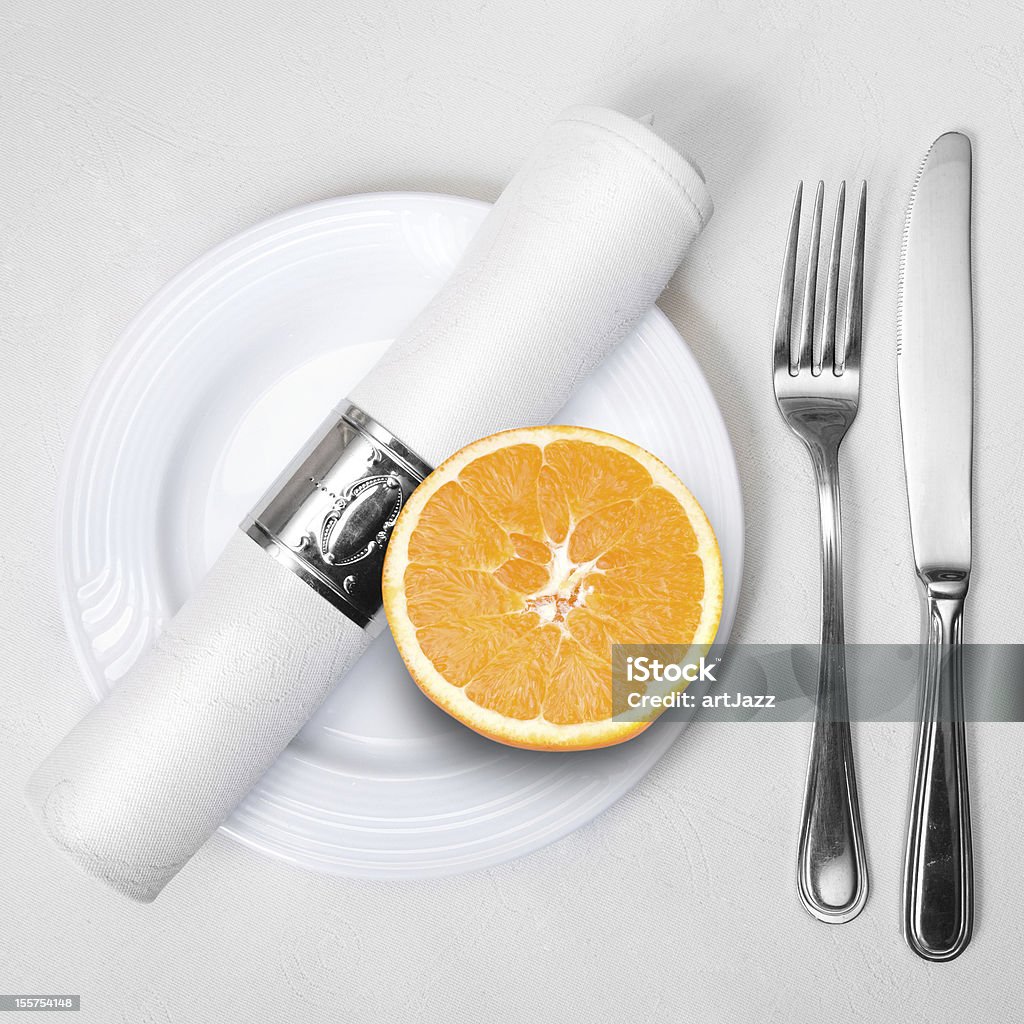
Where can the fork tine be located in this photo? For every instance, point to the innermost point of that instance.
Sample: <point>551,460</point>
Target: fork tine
<point>826,356</point>
<point>855,302</point>
<point>803,355</point>
<point>784,310</point>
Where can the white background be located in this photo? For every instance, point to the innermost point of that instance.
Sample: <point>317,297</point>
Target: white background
<point>137,135</point>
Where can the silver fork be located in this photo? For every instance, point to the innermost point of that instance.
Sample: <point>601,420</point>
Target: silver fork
<point>818,389</point>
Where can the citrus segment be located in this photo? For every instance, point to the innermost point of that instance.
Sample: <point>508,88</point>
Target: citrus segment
<point>531,549</point>
<point>505,483</point>
<point>553,505</point>
<point>600,530</point>
<point>594,475</point>
<point>519,574</point>
<point>439,594</point>
<point>461,649</point>
<point>455,530</point>
<point>514,682</point>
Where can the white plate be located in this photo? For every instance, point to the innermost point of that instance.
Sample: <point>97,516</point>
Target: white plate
<point>202,401</point>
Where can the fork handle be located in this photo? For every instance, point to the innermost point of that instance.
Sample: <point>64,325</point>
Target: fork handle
<point>831,868</point>
<point>938,884</point>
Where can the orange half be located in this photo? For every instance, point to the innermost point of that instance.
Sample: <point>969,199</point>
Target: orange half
<point>519,561</point>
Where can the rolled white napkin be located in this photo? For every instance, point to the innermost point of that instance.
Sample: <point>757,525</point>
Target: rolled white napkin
<point>574,253</point>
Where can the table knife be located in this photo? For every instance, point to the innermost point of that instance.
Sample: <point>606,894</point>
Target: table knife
<point>935,356</point>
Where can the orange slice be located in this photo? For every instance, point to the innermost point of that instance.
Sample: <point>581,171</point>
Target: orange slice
<point>517,564</point>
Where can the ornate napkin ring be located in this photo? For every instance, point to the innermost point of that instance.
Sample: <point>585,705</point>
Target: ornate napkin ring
<point>328,516</point>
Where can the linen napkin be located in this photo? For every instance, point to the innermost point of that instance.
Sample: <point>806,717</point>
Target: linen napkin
<point>573,254</point>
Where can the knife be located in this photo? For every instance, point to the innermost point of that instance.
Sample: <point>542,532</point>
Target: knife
<point>935,357</point>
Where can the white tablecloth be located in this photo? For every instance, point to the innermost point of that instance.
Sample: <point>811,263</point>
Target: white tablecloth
<point>135,136</point>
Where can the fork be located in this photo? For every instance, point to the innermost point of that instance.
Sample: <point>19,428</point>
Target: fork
<point>817,388</point>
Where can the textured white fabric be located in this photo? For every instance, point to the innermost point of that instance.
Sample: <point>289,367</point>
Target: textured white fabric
<point>574,253</point>
<point>151,771</point>
<point>576,250</point>
<point>137,138</point>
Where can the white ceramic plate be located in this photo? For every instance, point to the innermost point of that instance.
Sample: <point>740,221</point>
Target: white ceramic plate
<point>199,405</point>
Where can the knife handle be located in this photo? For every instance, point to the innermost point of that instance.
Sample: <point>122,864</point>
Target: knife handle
<point>938,884</point>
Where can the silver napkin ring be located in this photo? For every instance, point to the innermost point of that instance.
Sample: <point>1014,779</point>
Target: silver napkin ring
<point>328,517</point>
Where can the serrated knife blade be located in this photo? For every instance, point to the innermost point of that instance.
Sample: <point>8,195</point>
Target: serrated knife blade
<point>935,359</point>
<point>935,356</point>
